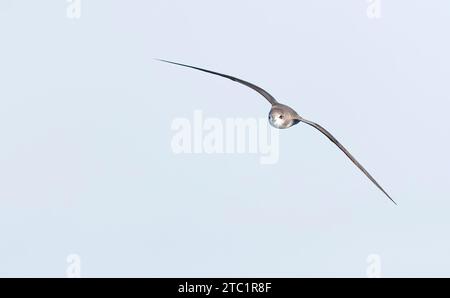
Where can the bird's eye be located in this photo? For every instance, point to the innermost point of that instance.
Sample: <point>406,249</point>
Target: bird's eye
<point>281,116</point>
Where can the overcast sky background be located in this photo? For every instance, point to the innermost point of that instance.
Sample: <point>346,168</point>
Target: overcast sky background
<point>86,165</point>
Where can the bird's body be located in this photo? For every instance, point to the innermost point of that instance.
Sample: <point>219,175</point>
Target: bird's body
<point>282,117</point>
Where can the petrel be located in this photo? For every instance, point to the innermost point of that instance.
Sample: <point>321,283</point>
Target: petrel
<point>282,116</point>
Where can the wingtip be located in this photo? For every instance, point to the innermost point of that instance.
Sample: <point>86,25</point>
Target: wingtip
<point>393,201</point>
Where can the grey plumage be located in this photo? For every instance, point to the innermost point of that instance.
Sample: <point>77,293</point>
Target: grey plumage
<point>282,116</point>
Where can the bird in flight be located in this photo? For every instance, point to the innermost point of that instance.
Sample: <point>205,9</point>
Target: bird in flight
<point>282,116</point>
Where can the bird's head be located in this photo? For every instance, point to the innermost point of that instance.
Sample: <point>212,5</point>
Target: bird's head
<point>282,116</point>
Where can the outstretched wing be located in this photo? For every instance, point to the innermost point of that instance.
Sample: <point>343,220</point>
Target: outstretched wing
<point>261,91</point>
<point>333,139</point>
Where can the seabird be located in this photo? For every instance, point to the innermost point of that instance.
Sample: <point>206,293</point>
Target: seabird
<point>282,116</point>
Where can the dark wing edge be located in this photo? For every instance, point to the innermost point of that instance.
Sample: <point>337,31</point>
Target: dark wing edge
<point>261,91</point>
<point>336,142</point>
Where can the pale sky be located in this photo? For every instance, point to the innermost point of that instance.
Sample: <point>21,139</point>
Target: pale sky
<point>86,165</point>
